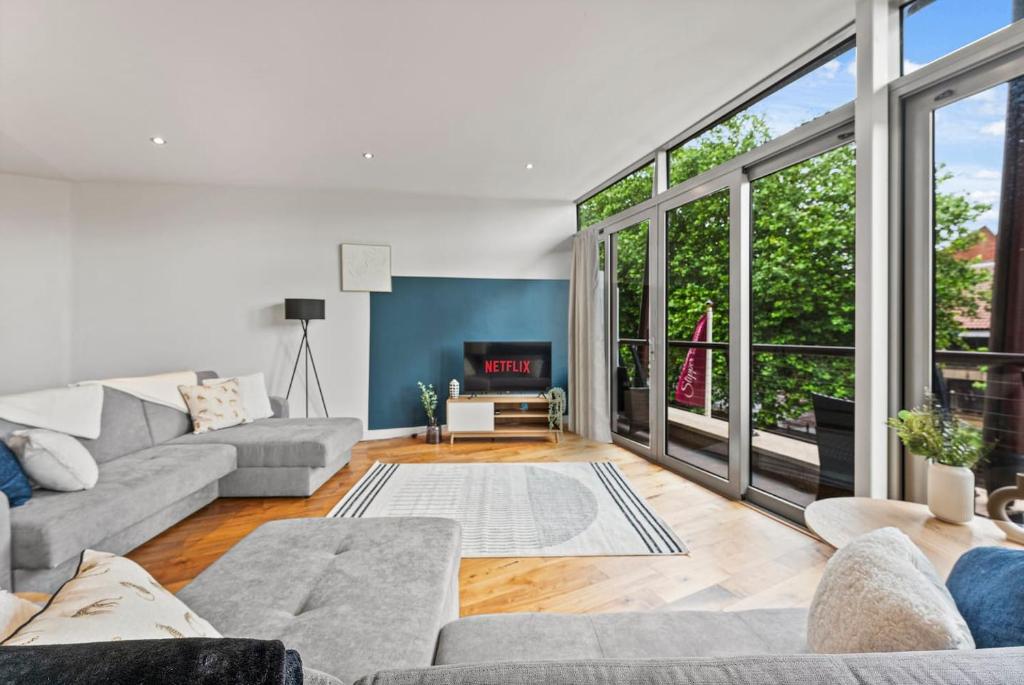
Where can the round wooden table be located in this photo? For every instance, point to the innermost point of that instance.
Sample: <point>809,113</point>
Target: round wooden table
<point>840,519</point>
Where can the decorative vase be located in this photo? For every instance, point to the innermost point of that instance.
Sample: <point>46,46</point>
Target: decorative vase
<point>433,434</point>
<point>453,389</point>
<point>951,492</point>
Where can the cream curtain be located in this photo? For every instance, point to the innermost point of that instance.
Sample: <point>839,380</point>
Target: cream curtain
<point>588,358</point>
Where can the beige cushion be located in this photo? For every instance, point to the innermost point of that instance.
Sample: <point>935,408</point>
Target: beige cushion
<point>14,612</point>
<point>110,598</point>
<point>214,406</point>
<point>879,593</point>
<point>53,460</point>
<point>255,398</point>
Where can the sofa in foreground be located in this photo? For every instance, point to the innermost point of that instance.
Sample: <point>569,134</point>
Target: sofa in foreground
<point>375,602</point>
<point>154,472</point>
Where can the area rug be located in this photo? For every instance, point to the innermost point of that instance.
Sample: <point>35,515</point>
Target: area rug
<point>519,510</point>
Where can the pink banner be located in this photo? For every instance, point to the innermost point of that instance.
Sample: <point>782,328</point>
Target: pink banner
<point>693,372</point>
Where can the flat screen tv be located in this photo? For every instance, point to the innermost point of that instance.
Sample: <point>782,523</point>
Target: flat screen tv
<point>506,367</point>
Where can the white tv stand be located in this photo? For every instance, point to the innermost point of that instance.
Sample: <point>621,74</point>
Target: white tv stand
<point>500,416</point>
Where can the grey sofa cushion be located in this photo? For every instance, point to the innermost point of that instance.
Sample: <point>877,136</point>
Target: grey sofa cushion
<point>54,526</point>
<point>628,635</point>
<point>284,442</point>
<point>982,667</point>
<point>123,428</point>
<point>166,423</point>
<point>350,595</point>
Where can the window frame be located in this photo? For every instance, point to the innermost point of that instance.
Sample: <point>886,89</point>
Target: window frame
<point>807,68</point>
<point>960,75</point>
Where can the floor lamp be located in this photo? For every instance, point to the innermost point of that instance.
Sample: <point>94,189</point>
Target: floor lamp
<point>305,311</point>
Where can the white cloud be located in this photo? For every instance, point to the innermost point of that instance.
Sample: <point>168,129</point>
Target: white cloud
<point>829,69</point>
<point>995,128</point>
<point>909,66</point>
<point>851,68</point>
<point>987,174</point>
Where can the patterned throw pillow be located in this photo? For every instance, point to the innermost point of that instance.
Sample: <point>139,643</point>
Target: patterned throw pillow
<point>110,598</point>
<point>14,613</point>
<point>214,406</point>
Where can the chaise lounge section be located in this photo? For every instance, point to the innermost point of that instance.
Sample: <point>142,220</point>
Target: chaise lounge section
<point>352,596</point>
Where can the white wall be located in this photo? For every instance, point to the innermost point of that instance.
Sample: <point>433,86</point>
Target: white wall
<point>35,283</point>
<point>169,277</point>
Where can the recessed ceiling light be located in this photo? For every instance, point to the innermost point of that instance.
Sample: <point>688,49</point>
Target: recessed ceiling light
<point>529,165</point>
<point>157,140</point>
<point>367,155</point>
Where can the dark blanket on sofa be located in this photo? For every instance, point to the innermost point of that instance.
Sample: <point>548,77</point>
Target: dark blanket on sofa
<point>221,661</point>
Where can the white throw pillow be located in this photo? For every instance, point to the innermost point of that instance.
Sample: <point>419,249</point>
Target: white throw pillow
<point>879,593</point>
<point>110,598</point>
<point>54,461</point>
<point>14,613</point>
<point>213,407</point>
<point>255,397</point>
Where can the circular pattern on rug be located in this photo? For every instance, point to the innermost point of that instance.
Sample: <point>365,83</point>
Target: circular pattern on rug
<point>563,507</point>
<point>532,508</point>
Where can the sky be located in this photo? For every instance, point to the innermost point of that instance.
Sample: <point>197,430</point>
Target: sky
<point>969,134</point>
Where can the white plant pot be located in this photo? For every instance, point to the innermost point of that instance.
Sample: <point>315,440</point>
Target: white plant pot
<point>951,492</point>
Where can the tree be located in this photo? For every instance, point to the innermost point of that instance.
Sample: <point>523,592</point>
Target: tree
<point>802,274</point>
<point>623,194</point>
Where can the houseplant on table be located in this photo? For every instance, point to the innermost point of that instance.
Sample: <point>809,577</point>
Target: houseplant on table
<point>952,449</point>
<point>428,397</point>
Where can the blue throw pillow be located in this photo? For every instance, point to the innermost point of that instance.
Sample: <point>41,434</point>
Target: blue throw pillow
<point>987,584</point>
<point>13,481</point>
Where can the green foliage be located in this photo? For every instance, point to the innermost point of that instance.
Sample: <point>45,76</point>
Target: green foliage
<point>623,194</point>
<point>802,274</point>
<point>717,145</point>
<point>802,283</point>
<point>428,398</point>
<point>556,407</point>
<point>931,433</point>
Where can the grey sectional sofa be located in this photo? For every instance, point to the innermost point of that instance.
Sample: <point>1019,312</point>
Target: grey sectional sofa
<point>153,473</point>
<point>375,601</point>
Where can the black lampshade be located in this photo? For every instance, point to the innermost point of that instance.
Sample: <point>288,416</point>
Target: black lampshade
<point>303,310</point>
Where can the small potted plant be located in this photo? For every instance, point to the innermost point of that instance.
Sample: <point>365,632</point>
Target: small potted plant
<point>429,400</point>
<point>952,449</point>
<point>556,407</point>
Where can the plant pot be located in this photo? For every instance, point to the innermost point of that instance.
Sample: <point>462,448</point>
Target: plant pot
<point>951,492</point>
<point>433,435</point>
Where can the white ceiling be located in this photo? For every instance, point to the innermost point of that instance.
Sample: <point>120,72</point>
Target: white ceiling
<point>452,96</point>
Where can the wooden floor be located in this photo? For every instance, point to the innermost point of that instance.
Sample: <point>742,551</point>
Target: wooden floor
<point>739,558</point>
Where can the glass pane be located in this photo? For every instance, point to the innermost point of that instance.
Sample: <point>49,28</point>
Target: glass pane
<point>623,194</point>
<point>697,309</point>
<point>978,265</point>
<point>817,92</point>
<point>631,399</point>
<point>802,318</point>
<point>933,28</point>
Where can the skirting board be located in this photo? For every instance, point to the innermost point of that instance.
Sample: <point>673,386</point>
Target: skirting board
<point>388,433</point>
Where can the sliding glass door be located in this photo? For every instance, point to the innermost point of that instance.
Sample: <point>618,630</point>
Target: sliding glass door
<point>695,385</point>
<point>802,325</point>
<point>965,260</point>
<point>757,300</point>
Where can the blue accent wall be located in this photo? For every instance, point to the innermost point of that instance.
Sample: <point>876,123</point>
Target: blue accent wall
<point>417,331</point>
